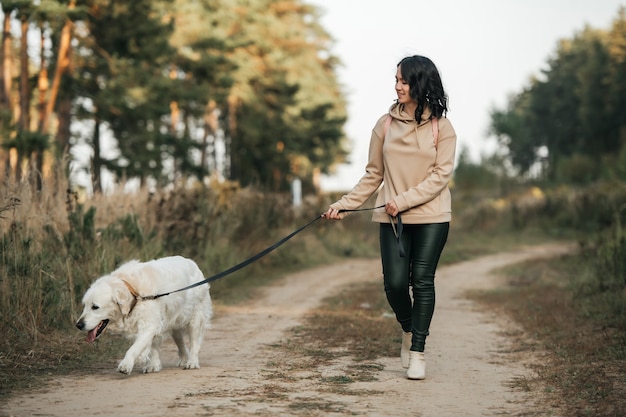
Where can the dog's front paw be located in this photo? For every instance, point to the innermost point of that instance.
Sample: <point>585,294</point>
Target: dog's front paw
<point>125,367</point>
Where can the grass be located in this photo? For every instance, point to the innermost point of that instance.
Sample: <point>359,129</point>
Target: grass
<point>583,366</point>
<point>357,323</point>
<point>55,354</point>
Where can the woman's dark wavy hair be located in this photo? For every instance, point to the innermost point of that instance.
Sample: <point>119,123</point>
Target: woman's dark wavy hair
<point>425,86</point>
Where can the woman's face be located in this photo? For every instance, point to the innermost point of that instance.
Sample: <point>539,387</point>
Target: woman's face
<point>402,89</point>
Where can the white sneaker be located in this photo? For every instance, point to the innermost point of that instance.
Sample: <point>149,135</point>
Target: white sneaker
<point>417,366</point>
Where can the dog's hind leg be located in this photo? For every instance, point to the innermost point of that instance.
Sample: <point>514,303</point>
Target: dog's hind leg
<point>196,335</point>
<point>179,338</point>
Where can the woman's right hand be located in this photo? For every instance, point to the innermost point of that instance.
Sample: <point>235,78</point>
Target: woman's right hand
<point>332,214</point>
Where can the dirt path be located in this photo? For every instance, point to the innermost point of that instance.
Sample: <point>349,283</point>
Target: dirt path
<point>468,370</point>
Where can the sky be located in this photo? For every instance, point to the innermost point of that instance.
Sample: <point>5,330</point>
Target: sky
<point>485,50</point>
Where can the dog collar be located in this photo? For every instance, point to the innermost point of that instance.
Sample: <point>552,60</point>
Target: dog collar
<point>134,293</point>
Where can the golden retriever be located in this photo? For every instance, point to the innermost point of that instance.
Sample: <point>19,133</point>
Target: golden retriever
<point>114,302</point>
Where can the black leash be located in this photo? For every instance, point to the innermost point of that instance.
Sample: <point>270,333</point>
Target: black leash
<point>260,255</point>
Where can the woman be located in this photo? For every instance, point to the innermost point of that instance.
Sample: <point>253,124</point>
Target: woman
<point>412,154</point>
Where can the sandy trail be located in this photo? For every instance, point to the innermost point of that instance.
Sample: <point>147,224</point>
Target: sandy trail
<point>469,371</point>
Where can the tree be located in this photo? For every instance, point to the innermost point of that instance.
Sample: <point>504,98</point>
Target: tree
<point>203,72</point>
<point>121,85</point>
<point>285,74</point>
<point>512,130</point>
<point>617,75</point>
<point>574,115</point>
<point>28,142</point>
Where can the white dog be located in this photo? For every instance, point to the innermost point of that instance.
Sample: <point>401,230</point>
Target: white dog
<point>114,301</point>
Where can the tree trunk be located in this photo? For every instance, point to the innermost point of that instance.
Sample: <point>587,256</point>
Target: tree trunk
<point>64,115</point>
<point>63,63</point>
<point>175,119</point>
<point>42,79</point>
<point>24,121</point>
<point>5,84</point>
<point>36,158</point>
<point>204,163</point>
<point>96,168</point>
<point>230,164</point>
<point>6,63</point>
<point>35,169</point>
<point>211,126</point>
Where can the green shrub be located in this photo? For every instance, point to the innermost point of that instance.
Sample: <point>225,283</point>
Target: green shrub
<point>601,285</point>
<point>577,169</point>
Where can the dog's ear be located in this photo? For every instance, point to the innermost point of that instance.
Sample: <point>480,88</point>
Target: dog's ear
<point>123,298</point>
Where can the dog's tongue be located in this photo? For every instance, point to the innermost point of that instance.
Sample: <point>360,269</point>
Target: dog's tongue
<point>91,336</point>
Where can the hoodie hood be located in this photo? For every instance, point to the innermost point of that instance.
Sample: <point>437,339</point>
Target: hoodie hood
<point>407,120</point>
<point>398,112</point>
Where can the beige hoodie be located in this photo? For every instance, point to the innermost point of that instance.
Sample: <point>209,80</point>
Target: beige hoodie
<point>412,171</point>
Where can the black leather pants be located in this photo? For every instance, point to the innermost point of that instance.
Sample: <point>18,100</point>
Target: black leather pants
<point>423,244</point>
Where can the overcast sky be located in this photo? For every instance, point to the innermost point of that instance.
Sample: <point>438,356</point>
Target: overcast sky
<point>485,50</point>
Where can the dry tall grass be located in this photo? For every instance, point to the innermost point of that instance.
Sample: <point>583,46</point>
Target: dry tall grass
<point>53,244</point>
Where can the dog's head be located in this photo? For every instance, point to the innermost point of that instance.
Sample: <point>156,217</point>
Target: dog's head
<point>107,300</point>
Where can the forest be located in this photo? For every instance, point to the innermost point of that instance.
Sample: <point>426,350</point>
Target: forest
<point>241,90</point>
